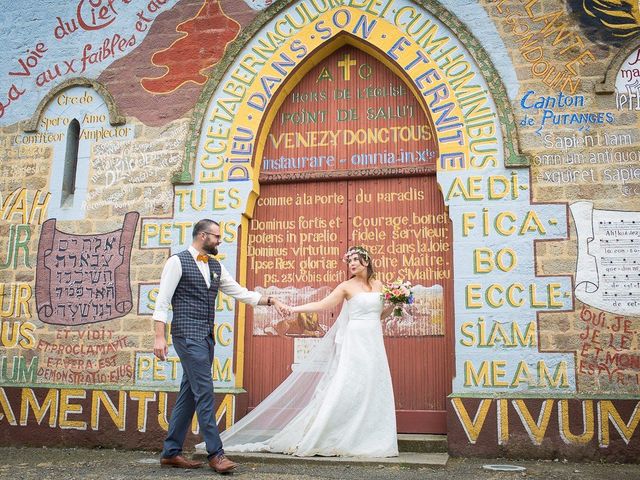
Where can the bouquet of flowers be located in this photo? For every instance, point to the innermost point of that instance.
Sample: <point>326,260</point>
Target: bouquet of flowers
<point>398,293</point>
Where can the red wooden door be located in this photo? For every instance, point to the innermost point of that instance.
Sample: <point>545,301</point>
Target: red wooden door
<point>350,160</point>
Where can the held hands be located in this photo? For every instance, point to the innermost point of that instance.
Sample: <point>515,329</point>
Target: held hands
<point>283,308</point>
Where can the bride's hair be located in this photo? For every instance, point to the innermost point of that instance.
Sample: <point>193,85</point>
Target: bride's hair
<point>365,259</point>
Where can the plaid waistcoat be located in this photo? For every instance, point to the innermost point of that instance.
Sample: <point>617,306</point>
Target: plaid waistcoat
<point>194,305</point>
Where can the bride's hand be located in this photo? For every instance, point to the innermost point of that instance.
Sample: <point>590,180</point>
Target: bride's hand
<point>283,308</point>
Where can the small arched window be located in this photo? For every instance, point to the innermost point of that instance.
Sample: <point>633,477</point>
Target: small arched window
<point>70,164</point>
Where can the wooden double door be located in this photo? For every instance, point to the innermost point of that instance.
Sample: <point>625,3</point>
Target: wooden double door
<point>350,160</point>
<point>408,240</point>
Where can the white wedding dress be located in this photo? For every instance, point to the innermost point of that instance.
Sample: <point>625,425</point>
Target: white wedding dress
<point>338,402</point>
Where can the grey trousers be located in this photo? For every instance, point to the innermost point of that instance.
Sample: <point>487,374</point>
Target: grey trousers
<point>196,395</point>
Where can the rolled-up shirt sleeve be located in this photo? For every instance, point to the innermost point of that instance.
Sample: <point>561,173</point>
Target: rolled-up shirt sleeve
<point>171,274</point>
<point>232,288</point>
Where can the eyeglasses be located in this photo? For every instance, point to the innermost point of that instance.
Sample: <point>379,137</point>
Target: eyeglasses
<point>214,234</point>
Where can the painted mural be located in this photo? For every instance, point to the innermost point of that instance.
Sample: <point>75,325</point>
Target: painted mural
<point>487,151</point>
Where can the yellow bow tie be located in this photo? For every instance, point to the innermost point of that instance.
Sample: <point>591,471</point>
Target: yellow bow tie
<point>203,258</point>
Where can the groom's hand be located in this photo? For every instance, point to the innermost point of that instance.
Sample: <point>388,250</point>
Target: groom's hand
<point>160,348</point>
<point>283,309</point>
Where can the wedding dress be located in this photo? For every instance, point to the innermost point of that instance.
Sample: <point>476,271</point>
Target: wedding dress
<point>338,402</point>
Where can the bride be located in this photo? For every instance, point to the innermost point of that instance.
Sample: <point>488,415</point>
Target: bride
<point>339,401</point>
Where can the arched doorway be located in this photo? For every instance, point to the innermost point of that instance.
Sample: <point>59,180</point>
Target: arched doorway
<point>350,160</point>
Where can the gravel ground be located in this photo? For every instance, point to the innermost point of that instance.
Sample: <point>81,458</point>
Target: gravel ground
<point>74,463</point>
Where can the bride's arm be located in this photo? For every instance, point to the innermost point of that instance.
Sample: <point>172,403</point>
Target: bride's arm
<point>331,300</point>
<point>388,306</point>
<point>386,311</point>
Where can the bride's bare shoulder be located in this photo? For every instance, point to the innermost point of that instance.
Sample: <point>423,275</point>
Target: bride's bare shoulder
<point>346,285</point>
<point>349,287</point>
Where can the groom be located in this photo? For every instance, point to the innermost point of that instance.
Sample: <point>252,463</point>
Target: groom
<point>190,282</point>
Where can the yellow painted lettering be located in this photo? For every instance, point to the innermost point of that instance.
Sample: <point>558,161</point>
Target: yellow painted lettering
<point>511,298</point>
<point>149,230</point>
<point>144,365</point>
<point>560,377</point>
<point>467,330</point>
<point>499,223</point>
<point>472,428</point>
<point>49,404</point>
<point>7,413</point>
<point>473,377</point>
<point>532,223</point>
<point>117,415</point>
<point>226,408</point>
<point>473,296</point>
<point>67,408</point>
<point>165,234</point>
<point>489,295</point>
<point>588,423</point>
<point>498,334</point>
<point>222,339</point>
<point>163,417</point>
<point>467,224</point>
<point>482,260</point>
<point>535,429</point>
<point>498,372</point>
<point>554,293</point>
<point>503,421</point>
<point>529,339</point>
<point>143,398</point>
<point>222,372</point>
<point>523,374</point>
<point>608,412</point>
<point>157,370</point>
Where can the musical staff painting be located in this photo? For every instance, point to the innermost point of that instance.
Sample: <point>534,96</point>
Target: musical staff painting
<point>608,267</point>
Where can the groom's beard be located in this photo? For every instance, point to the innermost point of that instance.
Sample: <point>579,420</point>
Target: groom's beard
<point>211,250</point>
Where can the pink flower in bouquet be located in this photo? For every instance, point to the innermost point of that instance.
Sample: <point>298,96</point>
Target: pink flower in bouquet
<point>398,293</point>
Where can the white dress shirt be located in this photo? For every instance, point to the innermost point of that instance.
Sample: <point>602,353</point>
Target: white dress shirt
<point>172,273</point>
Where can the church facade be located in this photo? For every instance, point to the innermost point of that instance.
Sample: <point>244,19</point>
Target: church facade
<point>485,152</point>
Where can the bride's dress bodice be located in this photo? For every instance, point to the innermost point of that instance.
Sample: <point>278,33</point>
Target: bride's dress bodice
<point>365,306</point>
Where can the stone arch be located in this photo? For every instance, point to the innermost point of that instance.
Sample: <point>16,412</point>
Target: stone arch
<point>115,118</point>
<point>505,119</point>
<point>608,84</point>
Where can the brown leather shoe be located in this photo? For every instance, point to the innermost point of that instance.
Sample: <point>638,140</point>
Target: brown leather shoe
<point>179,462</point>
<point>221,464</point>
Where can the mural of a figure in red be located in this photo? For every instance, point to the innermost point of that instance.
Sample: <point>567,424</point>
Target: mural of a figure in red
<point>169,71</point>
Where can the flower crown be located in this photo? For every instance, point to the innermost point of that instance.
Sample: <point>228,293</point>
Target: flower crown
<point>360,251</point>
